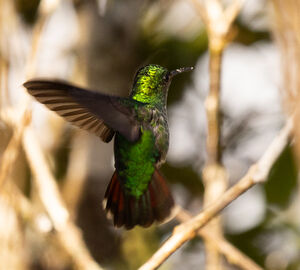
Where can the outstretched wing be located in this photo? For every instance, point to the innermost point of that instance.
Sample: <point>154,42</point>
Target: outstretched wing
<point>92,111</point>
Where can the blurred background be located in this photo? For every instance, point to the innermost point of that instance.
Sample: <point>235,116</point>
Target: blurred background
<point>100,45</point>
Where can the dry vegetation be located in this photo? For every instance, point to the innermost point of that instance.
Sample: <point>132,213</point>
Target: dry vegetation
<point>37,210</point>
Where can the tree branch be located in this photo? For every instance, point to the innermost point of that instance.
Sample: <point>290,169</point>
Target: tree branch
<point>68,234</point>
<point>218,22</point>
<point>232,254</point>
<point>12,150</point>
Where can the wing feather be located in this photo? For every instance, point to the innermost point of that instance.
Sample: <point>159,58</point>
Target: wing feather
<point>100,114</point>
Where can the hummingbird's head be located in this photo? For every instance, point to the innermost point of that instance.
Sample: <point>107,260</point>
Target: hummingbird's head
<point>152,82</point>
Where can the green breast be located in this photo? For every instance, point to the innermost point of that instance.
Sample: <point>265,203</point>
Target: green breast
<point>135,162</point>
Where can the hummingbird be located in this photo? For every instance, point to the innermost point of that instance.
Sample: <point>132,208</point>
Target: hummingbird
<point>137,193</point>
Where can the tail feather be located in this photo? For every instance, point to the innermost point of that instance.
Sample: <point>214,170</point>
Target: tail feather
<point>110,190</point>
<point>158,193</point>
<point>154,205</point>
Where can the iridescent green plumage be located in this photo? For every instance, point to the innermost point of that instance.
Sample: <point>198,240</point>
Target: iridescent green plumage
<point>136,161</point>
<point>137,194</point>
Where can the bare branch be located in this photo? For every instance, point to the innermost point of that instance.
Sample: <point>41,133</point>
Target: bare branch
<point>68,234</point>
<point>232,254</point>
<point>11,153</point>
<point>233,10</point>
<point>218,23</point>
<point>255,174</point>
<point>76,172</point>
<point>70,239</point>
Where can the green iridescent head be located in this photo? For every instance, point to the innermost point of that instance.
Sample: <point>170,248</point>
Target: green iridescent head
<point>152,82</point>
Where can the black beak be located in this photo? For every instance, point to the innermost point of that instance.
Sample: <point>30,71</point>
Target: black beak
<point>180,70</point>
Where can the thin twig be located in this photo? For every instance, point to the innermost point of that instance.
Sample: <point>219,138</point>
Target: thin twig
<point>12,150</point>
<point>46,8</point>
<point>233,10</point>
<point>17,200</point>
<point>232,254</point>
<point>76,172</point>
<point>257,173</point>
<point>44,181</point>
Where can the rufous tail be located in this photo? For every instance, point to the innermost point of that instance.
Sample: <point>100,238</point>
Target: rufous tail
<point>127,210</point>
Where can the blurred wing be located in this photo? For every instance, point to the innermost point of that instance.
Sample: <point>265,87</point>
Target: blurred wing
<point>92,111</point>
